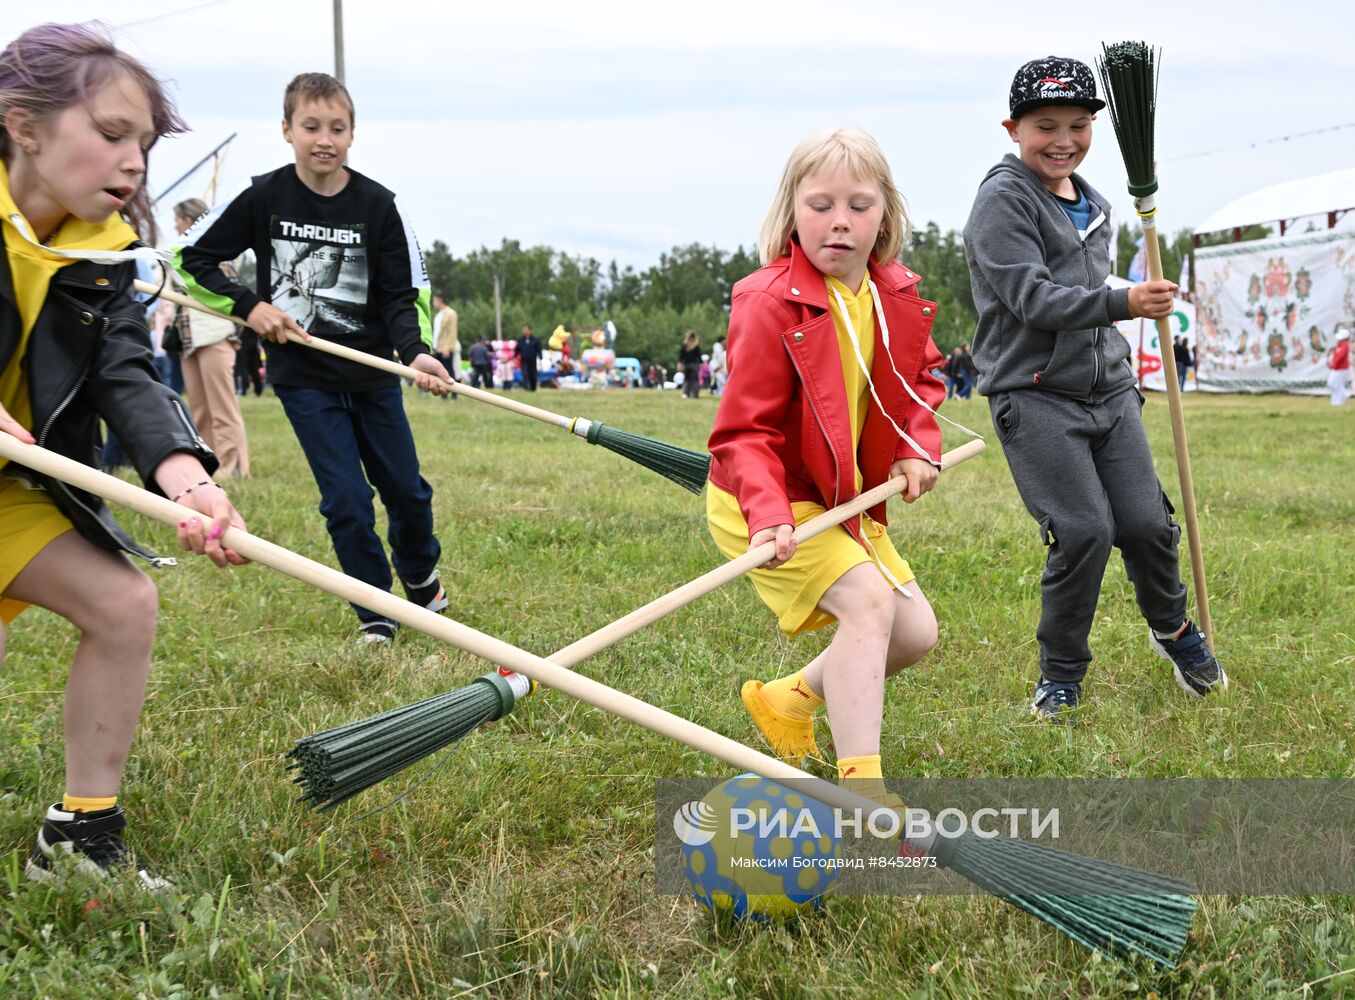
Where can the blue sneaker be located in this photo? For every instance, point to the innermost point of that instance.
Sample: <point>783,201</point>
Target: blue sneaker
<point>1197,672</point>
<point>1054,700</point>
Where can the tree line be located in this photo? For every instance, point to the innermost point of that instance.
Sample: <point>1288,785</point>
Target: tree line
<point>687,289</point>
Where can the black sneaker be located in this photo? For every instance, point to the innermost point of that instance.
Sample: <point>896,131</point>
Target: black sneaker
<point>1053,701</point>
<point>428,594</point>
<point>378,633</point>
<point>92,842</point>
<point>1197,672</point>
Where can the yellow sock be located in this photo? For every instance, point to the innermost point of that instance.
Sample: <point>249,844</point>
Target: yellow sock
<point>862,775</point>
<point>792,696</point>
<point>79,804</point>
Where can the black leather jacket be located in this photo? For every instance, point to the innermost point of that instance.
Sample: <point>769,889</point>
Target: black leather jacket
<point>89,355</point>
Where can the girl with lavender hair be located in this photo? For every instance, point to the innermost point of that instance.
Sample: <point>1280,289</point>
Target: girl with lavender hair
<point>77,121</point>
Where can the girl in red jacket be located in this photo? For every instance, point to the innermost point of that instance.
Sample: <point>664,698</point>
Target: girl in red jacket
<point>829,394</point>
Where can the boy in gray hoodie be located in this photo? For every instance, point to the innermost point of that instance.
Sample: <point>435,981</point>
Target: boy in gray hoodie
<point>1061,389</point>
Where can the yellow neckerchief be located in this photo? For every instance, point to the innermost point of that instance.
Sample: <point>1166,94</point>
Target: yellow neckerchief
<point>860,320</point>
<point>31,271</point>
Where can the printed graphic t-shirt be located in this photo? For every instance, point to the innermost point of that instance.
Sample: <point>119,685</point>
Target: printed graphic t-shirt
<point>346,267</point>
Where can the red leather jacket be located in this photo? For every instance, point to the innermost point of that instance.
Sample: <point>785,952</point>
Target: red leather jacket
<point>782,433</point>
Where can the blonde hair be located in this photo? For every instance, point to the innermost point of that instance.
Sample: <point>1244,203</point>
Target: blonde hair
<point>691,339</point>
<point>829,150</point>
<point>191,209</point>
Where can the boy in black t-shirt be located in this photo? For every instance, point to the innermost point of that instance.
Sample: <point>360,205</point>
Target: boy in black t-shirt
<point>337,258</point>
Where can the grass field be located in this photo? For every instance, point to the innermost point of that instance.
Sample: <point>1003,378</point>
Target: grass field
<point>521,861</point>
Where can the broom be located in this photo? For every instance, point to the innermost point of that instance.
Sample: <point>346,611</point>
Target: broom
<point>339,763</point>
<point>1128,72</point>
<point>686,468</point>
<point>1147,915</point>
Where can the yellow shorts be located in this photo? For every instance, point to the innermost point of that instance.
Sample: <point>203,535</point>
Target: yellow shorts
<point>793,590</point>
<point>29,522</point>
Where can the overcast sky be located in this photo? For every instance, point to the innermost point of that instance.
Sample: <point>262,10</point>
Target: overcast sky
<point>619,129</point>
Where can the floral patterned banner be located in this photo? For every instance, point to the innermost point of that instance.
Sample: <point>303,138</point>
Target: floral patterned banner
<point>1268,311</point>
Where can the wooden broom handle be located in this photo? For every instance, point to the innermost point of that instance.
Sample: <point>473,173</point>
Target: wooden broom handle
<point>610,634</point>
<point>370,360</point>
<point>1153,254</point>
<point>439,626</point>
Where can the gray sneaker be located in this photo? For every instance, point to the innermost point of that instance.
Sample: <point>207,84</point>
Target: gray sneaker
<point>1197,672</point>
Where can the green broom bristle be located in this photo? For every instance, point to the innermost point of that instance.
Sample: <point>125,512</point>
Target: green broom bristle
<point>337,764</point>
<point>1103,906</point>
<point>1128,72</point>
<point>687,468</point>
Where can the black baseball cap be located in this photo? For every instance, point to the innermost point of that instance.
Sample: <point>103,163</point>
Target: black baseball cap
<point>1053,80</point>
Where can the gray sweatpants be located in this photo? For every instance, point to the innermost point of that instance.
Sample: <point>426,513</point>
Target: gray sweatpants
<point>1086,475</point>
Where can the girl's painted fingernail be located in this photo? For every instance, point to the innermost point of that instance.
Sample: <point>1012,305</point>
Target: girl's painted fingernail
<point>183,524</point>
<point>216,531</point>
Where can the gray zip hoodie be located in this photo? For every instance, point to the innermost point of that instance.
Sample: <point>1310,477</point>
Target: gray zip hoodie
<point>1045,312</point>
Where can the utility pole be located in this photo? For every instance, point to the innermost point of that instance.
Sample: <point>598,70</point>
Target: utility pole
<point>338,40</point>
<point>498,313</point>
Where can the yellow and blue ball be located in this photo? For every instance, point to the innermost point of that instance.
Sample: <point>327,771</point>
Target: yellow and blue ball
<point>753,848</point>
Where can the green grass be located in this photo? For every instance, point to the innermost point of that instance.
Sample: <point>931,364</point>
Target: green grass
<point>520,862</point>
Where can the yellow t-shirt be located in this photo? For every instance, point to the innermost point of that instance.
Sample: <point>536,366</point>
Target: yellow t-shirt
<point>861,312</point>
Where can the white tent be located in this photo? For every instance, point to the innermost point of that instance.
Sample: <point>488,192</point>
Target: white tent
<point>1329,192</point>
<point>1269,309</point>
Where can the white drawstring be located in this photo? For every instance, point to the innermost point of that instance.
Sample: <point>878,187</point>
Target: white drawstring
<point>893,583</point>
<point>21,226</point>
<point>870,383</point>
<point>884,335</point>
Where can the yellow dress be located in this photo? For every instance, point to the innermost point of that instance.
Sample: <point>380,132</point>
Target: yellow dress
<point>793,591</point>
<point>29,520</point>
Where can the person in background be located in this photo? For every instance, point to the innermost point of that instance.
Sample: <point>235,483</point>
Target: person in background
<point>1338,360</point>
<point>689,361</point>
<point>208,357</point>
<point>481,365</point>
<point>528,352</point>
<point>719,371</point>
<point>949,370</point>
<point>1181,354</point>
<point>248,360</point>
<point>969,372</point>
<point>446,342</point>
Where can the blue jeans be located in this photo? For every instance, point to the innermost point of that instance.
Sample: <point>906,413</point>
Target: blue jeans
<point>350,438</point>
<point>170,370</point>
